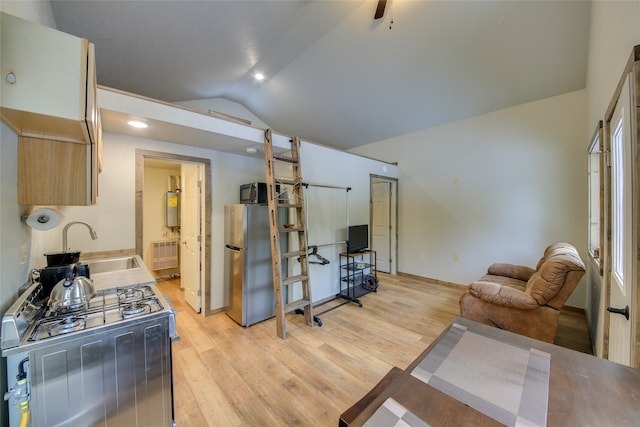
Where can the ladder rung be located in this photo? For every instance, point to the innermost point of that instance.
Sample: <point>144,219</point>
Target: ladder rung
<point>295,305</point>
<point>288,181</point>
<point>294,279</point>
<point>285,159</point>
<point>286,255</point>
<point>291,230</point>
<point>290,205</point>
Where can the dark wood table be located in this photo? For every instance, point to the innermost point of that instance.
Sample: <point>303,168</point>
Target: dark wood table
<point>583,390</point>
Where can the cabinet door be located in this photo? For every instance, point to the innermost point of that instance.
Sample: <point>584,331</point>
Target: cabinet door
<point>92,114</point>
<point>96,162</point>
<point>94,124</point>
<point>54,172</point>
<point>44,80</point>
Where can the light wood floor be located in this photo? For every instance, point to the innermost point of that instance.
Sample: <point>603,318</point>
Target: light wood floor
<point>227,375</point>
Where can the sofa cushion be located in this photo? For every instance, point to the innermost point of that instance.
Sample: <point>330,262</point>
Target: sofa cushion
<point>559,261</point>
<point>502,295</point>
<point>504,281</point>
<point>519,272</point>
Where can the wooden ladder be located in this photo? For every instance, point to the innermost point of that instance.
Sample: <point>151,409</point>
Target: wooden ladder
<point>286,192</point>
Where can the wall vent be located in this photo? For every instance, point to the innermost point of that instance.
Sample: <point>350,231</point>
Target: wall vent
<point>165,255</point>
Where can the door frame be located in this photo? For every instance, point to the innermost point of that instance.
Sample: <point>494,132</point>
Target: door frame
<point>205,286</point>
<point>633,68</point>
<point>393,220</point>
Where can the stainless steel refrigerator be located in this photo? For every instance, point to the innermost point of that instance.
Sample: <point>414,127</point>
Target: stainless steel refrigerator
<point>248,274</point>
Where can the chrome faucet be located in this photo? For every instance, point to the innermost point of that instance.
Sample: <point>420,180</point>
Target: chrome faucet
<point>92,232</point>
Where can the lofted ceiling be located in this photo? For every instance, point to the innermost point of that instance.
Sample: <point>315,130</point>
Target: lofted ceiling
<point>334,75</point>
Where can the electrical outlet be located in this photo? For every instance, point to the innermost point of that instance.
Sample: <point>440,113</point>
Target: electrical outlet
<point>23,253</point>
<point>456,257</point>
<point>456,180</point>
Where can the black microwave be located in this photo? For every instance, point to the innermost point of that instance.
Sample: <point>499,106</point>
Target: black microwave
<point>255,192</point>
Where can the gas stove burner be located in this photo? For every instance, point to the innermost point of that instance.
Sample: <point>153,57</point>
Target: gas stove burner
<point>130,294</point>
<point>66,325</point>
<point>135,309</point>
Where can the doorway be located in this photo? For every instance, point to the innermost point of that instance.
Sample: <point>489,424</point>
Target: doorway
<point>192,234</point>
<point>384,222</point>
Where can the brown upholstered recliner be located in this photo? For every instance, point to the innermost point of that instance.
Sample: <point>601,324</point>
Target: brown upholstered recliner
<point>523,300</point>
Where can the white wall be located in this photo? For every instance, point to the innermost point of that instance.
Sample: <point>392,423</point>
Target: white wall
<point>498,187</point>
<point>13,233</point>
<point>326,208</point>
<point>32,10</point>
<point>615,30</point>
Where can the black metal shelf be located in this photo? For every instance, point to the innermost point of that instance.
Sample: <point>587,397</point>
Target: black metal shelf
<point>358,275</point>
<point>355,266</point>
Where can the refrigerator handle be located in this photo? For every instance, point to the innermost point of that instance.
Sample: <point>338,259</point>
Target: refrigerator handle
<point>233,248</point>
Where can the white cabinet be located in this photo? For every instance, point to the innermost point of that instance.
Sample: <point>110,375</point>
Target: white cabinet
<point>48,97</point>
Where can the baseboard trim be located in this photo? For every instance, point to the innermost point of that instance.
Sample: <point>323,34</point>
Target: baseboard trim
<point>574,309</point>
<point>430,280</point>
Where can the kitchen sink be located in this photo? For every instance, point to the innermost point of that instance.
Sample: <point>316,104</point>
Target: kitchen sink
<point>112,264</point>
<point>119,271</point>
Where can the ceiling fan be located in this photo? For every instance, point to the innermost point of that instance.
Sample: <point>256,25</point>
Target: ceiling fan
<point>380,9</point>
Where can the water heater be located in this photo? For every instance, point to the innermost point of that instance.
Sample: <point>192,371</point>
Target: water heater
<point>172,209</point>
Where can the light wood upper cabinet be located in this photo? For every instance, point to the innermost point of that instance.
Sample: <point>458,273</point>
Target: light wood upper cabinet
<point>48,97</point>
<point>53,172</point>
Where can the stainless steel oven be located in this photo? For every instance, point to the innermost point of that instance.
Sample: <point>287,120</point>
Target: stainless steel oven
<point>108,364</point>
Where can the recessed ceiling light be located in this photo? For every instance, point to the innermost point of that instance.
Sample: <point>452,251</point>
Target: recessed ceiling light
<point>259,76</point>
<point>250,150</point>
<point>139,124</point>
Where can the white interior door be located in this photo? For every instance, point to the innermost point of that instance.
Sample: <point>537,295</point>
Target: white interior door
<point>381,224</point>
<point>190,233</point>
<point>622,280</point>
